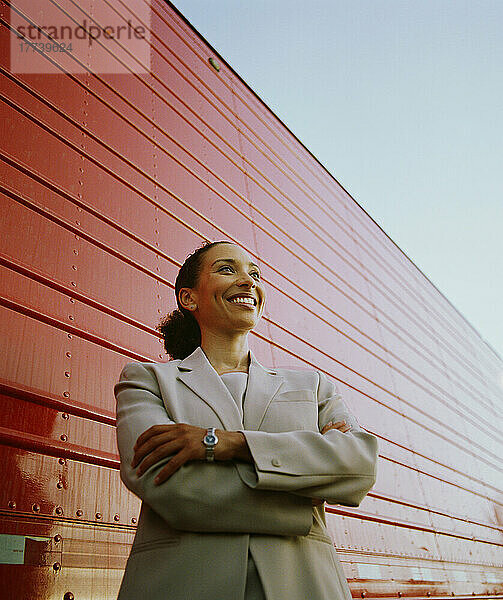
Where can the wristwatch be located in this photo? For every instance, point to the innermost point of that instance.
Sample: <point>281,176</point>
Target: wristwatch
<point>210,441</point>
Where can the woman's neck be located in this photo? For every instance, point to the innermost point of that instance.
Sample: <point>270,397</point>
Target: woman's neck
<point>225,355</point>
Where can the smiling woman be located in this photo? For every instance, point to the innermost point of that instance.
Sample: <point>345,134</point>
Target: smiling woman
<point>214,443</point>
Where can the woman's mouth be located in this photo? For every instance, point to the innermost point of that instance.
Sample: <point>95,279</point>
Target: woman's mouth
<point>243,301</point>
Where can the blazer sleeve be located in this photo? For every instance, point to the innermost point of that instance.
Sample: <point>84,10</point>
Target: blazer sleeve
<point>199,496</point>
<point>338,467</point>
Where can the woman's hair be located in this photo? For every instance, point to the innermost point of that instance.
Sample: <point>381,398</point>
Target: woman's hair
<point>180,328</point>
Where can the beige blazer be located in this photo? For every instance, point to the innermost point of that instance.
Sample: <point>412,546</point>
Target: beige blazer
<point>195,529</point>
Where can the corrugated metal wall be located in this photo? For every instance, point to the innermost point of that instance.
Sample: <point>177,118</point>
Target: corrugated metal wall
<point>107,183</point>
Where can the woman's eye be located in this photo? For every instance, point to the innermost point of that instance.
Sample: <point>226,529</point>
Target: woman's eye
<point>254,273</point>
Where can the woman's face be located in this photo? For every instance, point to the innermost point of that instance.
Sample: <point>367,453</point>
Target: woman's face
<point>227,272</point>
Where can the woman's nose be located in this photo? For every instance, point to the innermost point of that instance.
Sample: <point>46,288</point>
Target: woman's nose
<point>247,278</point>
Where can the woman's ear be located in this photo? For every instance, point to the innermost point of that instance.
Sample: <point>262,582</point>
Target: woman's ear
<point>187,299</point>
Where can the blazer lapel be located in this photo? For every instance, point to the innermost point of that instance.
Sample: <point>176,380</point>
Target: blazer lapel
<point>262,386</point>
<point>197,373</point>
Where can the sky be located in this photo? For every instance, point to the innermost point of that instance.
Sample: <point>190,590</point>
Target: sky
<point>402,102</point>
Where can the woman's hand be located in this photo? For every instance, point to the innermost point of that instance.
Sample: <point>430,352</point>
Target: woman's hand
<point>341,425</point>
<point>184,442</point>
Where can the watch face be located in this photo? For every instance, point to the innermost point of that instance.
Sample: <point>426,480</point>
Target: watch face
<point>209,439</point>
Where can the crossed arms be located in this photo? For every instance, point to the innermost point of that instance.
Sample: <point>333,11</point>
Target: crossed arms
<point>239,497</point>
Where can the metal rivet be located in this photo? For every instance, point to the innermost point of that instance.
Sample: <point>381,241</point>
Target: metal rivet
<point>58,510</point>
<point>133,520</point>
<point>70,336</point>
<point>68,596</point>
<point>116,518</point>
<point>99,515</point>
<point>11,504</point>
<point>74,267</point>
<point>67,373</point>
<point>59,485</point>
<point>79,513</point>
<point>65,416</point>
<point>56,566</point>
<point>214,64</point>
<point>35,507</point>
<point>57,538</point>
<point>73,283</point>
<point>66,394</point>
<point>69,354</point>
<point>363,594</point>
<point>63,437</point>
<point>71,317</point>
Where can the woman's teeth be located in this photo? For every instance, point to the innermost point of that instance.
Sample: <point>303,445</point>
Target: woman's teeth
<point>249,301</point>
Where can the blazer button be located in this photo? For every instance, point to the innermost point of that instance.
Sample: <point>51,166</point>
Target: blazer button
<point>276,462</point>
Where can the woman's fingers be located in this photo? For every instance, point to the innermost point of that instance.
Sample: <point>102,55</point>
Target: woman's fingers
<point>341,425</point>
<point>149,445</point>
<point>328,426</point>
<point>153,431</point>
<point>162,451</point>
<point>181,441</point>
<point>173,465</point>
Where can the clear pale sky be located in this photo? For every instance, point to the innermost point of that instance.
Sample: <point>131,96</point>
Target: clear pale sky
<point>401,100</point>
